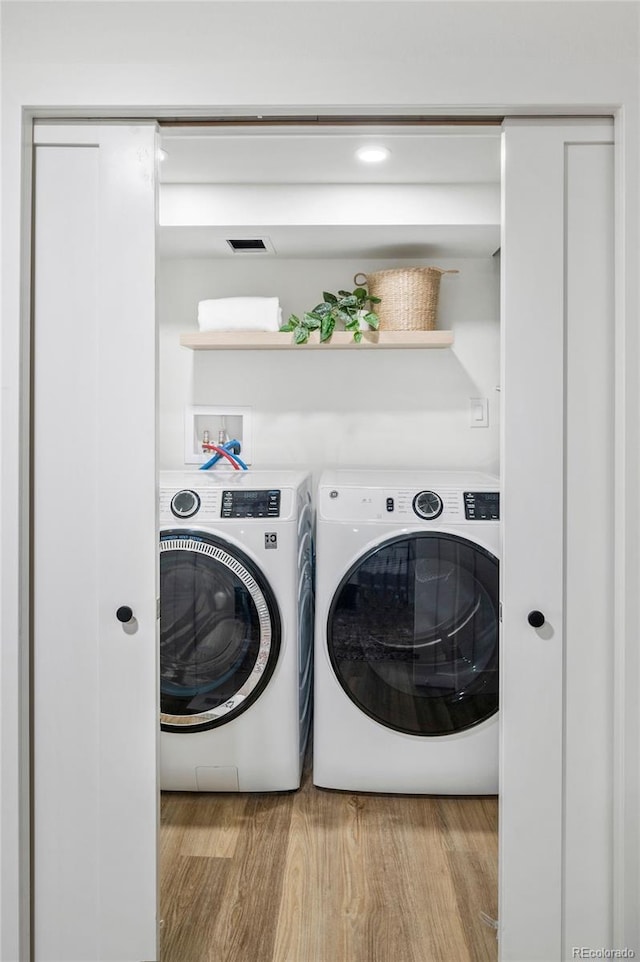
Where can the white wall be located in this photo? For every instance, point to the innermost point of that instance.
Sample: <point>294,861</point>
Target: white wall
<point>335,407</point>
<point>216,57</point>
<point>430,54</point>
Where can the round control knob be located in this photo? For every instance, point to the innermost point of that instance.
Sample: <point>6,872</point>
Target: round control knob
<point>427,505</point>
<point>536,619</point>
<point>124,614</point>
<point>185,504</point>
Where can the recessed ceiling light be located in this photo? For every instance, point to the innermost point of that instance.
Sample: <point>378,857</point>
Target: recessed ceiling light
<point>372,155</point>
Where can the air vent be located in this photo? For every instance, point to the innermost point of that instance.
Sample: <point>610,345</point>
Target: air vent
<point>249,245</point>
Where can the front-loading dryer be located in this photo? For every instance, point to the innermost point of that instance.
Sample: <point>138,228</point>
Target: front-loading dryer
<point>407,617</point>
<point>236,625</point>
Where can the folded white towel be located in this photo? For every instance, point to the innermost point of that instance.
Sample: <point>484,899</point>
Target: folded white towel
<point>240,314</point>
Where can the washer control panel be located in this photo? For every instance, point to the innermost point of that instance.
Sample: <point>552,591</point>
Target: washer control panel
<point>481,505</point>
<point>250,504</point>
<point>209,502</point>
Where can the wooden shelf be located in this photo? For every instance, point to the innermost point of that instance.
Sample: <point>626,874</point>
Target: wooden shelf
<point>340,340</point>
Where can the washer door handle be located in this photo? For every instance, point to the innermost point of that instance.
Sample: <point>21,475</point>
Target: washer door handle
<point>124,614</point>
<point>536,619</point>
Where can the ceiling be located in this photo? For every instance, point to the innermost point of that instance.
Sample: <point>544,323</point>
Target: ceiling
<point>421,156</point>
<point>326,156</point>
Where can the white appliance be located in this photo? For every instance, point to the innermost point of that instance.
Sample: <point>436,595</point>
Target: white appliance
<point>406,642</point>
<point>236,626</point>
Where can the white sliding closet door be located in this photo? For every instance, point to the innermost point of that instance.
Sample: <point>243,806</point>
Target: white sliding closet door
<point>558,511</point>
<point>94,543</point>
<point>95,712</point>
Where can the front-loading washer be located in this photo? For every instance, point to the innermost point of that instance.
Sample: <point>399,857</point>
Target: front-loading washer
<point>406,641</point>
<point>236,628</point>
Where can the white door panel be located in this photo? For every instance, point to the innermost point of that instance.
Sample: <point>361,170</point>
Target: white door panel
<point>94,545</point>
<point>589,545</point>
<point>556,702</point>
<point>531,793</point>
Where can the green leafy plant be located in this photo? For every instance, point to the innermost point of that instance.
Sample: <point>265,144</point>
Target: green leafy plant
<point>348,307</point>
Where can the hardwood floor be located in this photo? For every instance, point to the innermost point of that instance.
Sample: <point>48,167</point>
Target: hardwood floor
<point>321,876</point>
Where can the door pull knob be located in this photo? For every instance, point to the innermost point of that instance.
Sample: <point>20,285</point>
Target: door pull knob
<point>536,619</point>
<point>124,614</point>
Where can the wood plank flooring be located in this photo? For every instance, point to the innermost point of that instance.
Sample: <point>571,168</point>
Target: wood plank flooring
<point>321,876</point>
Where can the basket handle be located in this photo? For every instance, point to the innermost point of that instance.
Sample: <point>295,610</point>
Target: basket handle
<point>441,270</point>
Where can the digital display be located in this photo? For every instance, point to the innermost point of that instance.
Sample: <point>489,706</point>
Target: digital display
<point>482,505</point>
<point>250,504</point>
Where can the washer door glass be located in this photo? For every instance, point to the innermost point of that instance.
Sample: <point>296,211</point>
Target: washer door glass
<point>219,631</point>
<point>413,634</point>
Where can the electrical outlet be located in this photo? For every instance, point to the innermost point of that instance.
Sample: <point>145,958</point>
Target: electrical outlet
<point>478,412</point>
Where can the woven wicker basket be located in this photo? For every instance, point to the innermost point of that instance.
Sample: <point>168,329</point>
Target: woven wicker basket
<point>408,296</point>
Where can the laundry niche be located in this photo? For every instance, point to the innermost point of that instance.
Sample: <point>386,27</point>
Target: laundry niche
<point>322,218</point>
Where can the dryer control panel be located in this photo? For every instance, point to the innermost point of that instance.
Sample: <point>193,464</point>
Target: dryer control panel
<point>481,505</point>
<point>442,505</point>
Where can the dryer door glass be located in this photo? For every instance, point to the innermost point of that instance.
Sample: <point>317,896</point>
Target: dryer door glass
<point>219,631</point>
<point>413,634</point>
